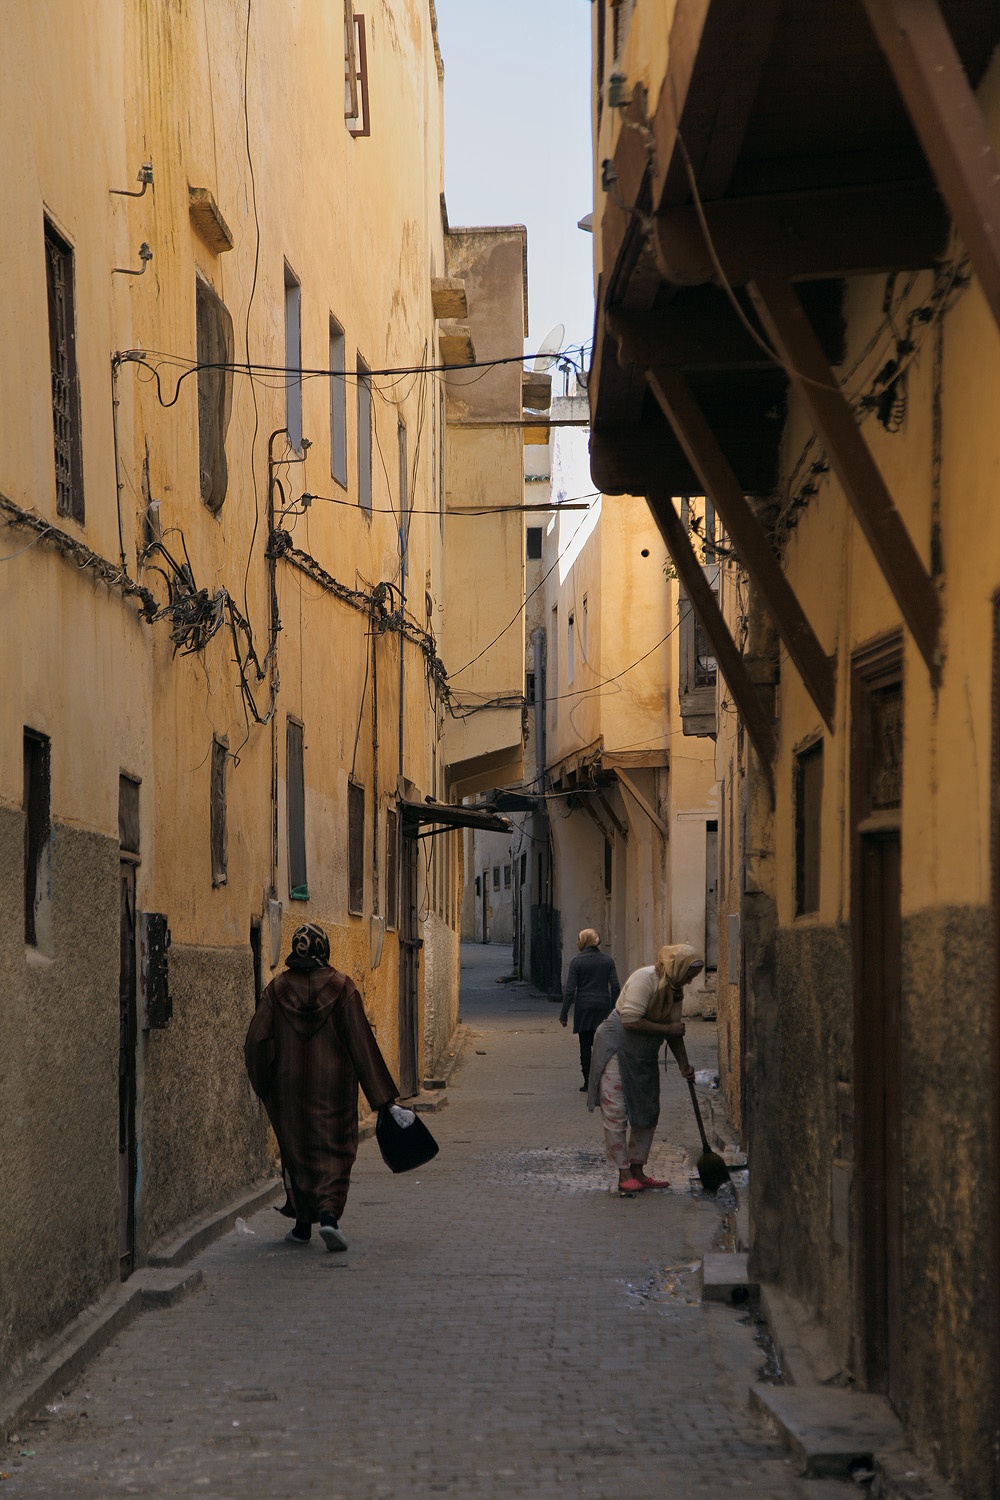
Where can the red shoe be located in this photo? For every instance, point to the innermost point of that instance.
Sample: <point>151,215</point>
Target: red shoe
<point>651,1182</point>
<point>630,1187</point>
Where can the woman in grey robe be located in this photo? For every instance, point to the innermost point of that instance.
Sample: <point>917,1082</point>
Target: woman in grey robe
<point>624,1071</point>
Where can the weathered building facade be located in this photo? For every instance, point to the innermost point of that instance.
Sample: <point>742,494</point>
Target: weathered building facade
<point>230,319</point>
<point>798,315</point>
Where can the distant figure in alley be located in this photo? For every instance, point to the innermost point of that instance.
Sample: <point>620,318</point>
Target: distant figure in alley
<point>591,989</point>
<point>624,1072</point>
<point>308,1048</point>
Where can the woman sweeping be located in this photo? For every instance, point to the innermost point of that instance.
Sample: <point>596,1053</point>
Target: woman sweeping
<point>308,1048</point>
<point>624,1072</point>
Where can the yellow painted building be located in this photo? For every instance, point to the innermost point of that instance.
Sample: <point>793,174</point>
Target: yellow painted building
<point>228,456</point>
<point>799,318</point>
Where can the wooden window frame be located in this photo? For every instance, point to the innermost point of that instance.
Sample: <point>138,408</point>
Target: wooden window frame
<point>356,102</point>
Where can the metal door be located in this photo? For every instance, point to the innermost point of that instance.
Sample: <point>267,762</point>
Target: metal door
<point>127,1037</point>
<point>409,965</point>
<point>711,897</point>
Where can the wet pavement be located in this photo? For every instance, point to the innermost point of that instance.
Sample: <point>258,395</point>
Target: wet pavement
<point>502,1325</point>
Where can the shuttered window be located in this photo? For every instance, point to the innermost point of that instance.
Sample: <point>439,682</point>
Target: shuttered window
<point>215,393</point>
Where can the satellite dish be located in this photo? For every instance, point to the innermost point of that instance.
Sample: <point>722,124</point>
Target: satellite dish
<point>548,351</point>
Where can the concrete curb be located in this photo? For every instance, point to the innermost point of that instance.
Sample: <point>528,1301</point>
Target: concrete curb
<point>203,1230</point>
<point>87,1335</point>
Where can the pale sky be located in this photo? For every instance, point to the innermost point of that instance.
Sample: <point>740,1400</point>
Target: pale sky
<point>517,141</point>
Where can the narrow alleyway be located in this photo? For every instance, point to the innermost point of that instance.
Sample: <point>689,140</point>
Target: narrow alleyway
<point>502,1324</point>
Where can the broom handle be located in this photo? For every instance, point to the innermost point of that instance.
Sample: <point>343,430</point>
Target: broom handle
<point>697,1114</point>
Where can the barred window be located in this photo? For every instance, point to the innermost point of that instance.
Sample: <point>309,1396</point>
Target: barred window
<point>59,274</point>
<point>355,848</point>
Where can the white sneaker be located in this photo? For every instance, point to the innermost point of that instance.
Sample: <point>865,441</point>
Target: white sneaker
<point>332,1237</point>
<point>291,1238</point>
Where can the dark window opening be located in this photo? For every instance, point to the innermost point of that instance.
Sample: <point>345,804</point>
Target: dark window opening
<point>808,801</point>
<point>128,816</point>
<point>479,886</point>
<point>524,868</point>
<point>506,877</point>
<point>533,535</point>
<point>37,791</point>
<point>529,688</point>
<point>391,867</point>
<point>338,404</point>
<point>355,848</point>
<point>215,393</point>
<point>364,397</point>
<point>217,819</point>
<point>59,275</point>
<point>293,360</point>
<point>496,877</point>
<point>609,853</point>
<point>295,788</point>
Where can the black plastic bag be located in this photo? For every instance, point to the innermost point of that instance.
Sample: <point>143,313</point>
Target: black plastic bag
<point>403,1147</point>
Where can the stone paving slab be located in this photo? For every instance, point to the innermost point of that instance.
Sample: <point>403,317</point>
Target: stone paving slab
<point>502,1325</point>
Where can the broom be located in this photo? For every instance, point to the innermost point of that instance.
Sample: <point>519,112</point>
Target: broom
<point>711,1168</point>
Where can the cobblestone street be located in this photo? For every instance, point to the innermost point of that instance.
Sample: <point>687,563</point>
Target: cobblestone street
<point>503,1324</point>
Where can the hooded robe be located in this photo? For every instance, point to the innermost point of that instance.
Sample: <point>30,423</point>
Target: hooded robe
<point>308,1048</point>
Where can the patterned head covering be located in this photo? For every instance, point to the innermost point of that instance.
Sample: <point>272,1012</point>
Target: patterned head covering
<point>310,948</point>
<point>675,962</point>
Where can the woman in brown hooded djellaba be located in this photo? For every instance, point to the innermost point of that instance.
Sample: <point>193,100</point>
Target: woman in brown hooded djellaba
<point>308,1048</point>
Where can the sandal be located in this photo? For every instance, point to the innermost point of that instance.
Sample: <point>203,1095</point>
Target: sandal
<point>630,1187</point>
<point>654,1182</point>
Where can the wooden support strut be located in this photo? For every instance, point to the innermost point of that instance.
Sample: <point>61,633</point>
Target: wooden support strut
<point>646,806</point>
<point>946,116</point>
<point>703,601</point>
<point>721,485</point>
<point>786,324</point>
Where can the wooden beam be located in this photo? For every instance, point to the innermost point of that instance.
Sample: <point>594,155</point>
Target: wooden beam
<point>819,233</point>
<point>647,808</point>
<point>585,803</point>
<point>616,820</point>
<point>703,601</point>
<point>950,125</point>
<point>789,329</point>
<point>696,438</point>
